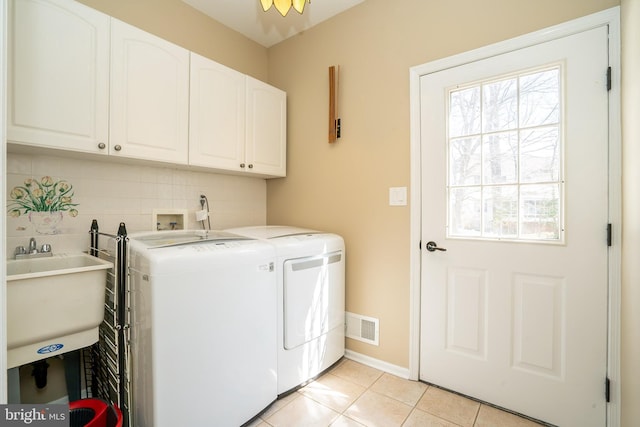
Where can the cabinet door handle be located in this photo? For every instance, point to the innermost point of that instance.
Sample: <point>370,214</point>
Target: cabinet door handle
<point>242,165</point>
<point>117,147</point>
<point>250,166</point>
<point>102,145</point>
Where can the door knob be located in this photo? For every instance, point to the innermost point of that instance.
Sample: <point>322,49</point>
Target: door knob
<point>433,246</point>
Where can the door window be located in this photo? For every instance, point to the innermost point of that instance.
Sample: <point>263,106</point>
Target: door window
<point>505,178</point>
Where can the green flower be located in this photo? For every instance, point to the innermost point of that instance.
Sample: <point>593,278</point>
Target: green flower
<point>45,195</point>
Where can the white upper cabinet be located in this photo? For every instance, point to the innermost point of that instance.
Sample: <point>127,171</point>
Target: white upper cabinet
<point>216,116</point>
<point>149,96</point>
<point>80,80</point>
<point>266,145</point>
<point>58,71</point>
<point>237,123</point>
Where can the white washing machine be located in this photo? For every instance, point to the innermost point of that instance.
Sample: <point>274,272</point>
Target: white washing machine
<point>311,294</point>
<point>203,328</point>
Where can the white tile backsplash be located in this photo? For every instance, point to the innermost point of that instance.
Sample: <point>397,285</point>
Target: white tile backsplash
<point>113,193</point>
<point>20,164</point>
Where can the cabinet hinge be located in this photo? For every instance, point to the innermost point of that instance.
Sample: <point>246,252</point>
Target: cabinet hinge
<point>609,234</point>
<point>420,245</point>
<point>608,78</point>
<point>607,389</point>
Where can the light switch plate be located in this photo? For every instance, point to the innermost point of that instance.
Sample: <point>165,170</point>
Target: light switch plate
<point>398,196</point>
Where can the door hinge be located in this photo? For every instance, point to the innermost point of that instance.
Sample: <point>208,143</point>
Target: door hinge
<point>608,78</point>
<point>607,389</point>
<point>609,234</point>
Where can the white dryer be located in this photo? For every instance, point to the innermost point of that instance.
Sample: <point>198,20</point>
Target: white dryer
<point>203,328</point>
<point>311,300</point>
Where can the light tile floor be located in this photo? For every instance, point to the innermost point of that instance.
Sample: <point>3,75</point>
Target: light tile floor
<point>355,395</point>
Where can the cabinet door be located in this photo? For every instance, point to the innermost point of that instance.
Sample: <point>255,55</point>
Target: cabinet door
<point>216,115</point>
<point>266,150</point>
<point>149,96</point>
<point>58,87</point>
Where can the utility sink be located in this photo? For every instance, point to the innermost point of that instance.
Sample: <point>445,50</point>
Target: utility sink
<point>54,305</point>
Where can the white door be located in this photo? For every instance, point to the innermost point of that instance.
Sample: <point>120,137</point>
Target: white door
<point>515,188</point>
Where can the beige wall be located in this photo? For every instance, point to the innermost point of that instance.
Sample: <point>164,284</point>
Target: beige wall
<point>181,24</point>
<point>344,187</point>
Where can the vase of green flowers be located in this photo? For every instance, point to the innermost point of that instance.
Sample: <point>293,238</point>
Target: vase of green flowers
<point>43,202</point>
<point>45,222</point>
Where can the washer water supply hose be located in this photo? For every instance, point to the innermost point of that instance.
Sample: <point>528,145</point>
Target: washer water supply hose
<point>204,201</point>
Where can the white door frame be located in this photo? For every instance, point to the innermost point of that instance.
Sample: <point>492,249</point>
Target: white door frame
<point>610,17</point>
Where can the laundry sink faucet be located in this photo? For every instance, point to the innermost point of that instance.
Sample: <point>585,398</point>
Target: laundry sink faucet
<point>33,248</point>
<point>32,251</point>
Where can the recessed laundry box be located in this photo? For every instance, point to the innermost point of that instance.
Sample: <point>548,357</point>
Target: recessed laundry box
<point>311,293</point>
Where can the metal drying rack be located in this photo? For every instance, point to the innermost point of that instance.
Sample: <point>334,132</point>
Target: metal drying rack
<point>107,363</point>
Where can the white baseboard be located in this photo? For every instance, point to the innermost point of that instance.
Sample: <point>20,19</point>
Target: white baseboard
<point>392,369</point>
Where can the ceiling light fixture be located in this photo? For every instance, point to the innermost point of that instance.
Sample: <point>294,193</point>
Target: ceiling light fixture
<point>283,6</point>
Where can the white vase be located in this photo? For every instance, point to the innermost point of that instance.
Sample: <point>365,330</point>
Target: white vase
<point>46,222</point>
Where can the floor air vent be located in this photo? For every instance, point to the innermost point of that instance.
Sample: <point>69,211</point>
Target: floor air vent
<point>362,328</point>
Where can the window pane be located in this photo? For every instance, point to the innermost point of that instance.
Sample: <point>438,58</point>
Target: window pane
<point>500,153</point>
<point>464,112</point>
<point>540,98</point>
<point>465,215</point>
<point>464,161</point>
<point>500,206</point>
<point>540,155</point>
<point>540,212</point>
<point>505,155</point>
<point>500,105</point>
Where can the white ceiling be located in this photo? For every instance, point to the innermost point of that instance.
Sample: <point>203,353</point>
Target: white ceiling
<point>269,28</point>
